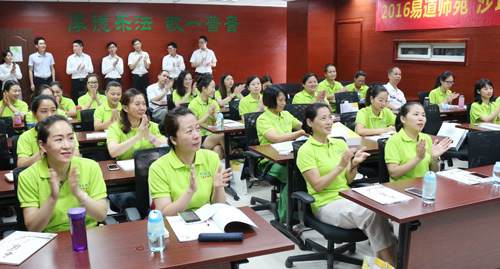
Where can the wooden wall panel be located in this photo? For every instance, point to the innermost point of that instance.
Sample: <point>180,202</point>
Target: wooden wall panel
<point>297,36</point>
<point>257,48</point>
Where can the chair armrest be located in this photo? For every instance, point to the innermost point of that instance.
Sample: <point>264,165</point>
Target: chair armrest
<point>132,214</point>
<point>110,220</point>
<point>251,154</point>
<point>303,196</point>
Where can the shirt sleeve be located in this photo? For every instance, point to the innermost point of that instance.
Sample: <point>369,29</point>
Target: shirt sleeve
<point>30,60</point>
<point>243,107</point>
<point>165,64</point>
<point>23,107</point>
<point>99,114</point>
<point>155,130</point>
<point>392,152</point>
<point>476,111</point>
<point>361,116</point>
<point>193,57</point>
<point>214,59</point>
<point>88,64</point>
<point>305,159</point>
<point>28,189</point>
<point>264,125</point>
<point>158,182</point>
<point>24,146</point>
<point>183,66</point>
<point>114,132</point>
<point>97,188</point>
<point>119,66</point>
<point>433,97</point>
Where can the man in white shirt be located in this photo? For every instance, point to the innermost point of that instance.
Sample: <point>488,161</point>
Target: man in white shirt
<point>158,92</point>
<point>112,65</point>
<point>173,62</point>
<point>139,63</point>
<point>78,65</point>
<point>396,96</point>
<point>41,65</point>
<point>203,59</point>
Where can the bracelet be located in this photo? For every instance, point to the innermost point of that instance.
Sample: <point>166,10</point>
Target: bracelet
<point>152,141</point>
<point>353,167</point>
<point>84,199</point>
<point>436,160</point>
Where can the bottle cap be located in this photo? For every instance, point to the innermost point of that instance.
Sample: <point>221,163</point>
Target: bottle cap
<point>79,107</point>
<point>76,212</point>
<point>430,175</point>
<point>155,216</point>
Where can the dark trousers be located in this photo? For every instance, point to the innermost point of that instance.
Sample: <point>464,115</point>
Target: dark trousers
<point>108,80</point>
<point>141,83</point>
<point>40,81</point>
<point>77,85</point>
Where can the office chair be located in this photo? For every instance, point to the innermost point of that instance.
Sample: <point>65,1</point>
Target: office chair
<point>469,105</point>
<point>297,110</point>
<point>382,166</point>
<point>302,213</point>
<point>170,102</point>
<point>5,162</point>
<point>253,160</point>
<point>143,159</point>
<point>421,96</point>
<point>291,88</point>
<point>87,117</point>
<point>14,149</point>
<point>483,148</point>
<point>234,113</point>
<point>340,97</point>
<point>349,120</point>
<point>9,125</point>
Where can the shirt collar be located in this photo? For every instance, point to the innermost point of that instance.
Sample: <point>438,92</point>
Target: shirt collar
<point>177,164</point>
<point>373,114</point>
<point>44,168</point>
<point>313,141</point>
<point>405,137</point>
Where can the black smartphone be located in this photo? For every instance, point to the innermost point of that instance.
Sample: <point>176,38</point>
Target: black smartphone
<point>479,175</point>
<point>189,216</point>
<point>414,191</point>
<point>113,167</point>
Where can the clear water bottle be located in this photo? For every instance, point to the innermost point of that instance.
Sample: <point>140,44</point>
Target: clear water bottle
<point>429,188</point>
<point>17,119</point>
<point>220,121</point>
<point>496,174</point>
<point>426,101</point>
<point>461,102</point>
<point>156,230</point>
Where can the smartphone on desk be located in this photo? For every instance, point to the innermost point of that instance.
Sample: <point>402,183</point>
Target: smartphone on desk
<point>113,167</point>
<point>189,216</point>
<point>414,191</point>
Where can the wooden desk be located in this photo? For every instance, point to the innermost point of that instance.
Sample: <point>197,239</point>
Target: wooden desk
<point>472,127</point>
<point>126,245</point>
<point>82,138</point>
<point>223,110</point>
<point>459,231</point>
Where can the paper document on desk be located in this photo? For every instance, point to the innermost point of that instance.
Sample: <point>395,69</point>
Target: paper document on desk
<point>382,194</point>
<point>225,216</point>
<point>126,165</point>
<point>380,136</point>
<point>340,130</point>
<point>469,178</point>
<point>19,246</point>
<point>283,148</point>
<point>233,124</point>
<point>490,126</point>
<point>97,135</point>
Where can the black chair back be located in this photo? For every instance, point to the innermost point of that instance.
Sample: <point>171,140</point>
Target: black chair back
<point>345,83</point>
<point>291,88</point>
<point>234,113</point>
<point>251,128</point>
<point>14,149</point>
<point>9,125</point>
<point>298,181</point>
<point>185,105</point>
<point>21,226</point>
<point>469,105</point>
<point>340,97</point>
<point>483,148</point>
<point>4,148</point>
<point>434,122</point>
<point>297,110</point>
<point>382,166</point>
<point>143,159</point>
<point>170,102</point>
<point>349,119</point>
<point>421,96</point>
<point>87,117</point>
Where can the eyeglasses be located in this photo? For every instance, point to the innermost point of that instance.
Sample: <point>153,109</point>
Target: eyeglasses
<point>92,82</point>
<point>449,82</point>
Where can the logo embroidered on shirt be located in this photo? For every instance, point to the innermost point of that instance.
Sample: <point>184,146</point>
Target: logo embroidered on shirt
<point>205,175</point>
<point>83,187</point>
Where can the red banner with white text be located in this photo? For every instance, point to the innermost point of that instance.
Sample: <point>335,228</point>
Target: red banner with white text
<point>434,14</point>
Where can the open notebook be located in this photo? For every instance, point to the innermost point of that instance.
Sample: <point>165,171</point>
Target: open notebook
<point>19,246</point>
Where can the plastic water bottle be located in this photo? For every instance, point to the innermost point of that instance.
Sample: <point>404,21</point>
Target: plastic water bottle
<point>496,174</point>
<point>461,102</point>
<point>78,115</point>
<point>429,188</point>
<point>220,121</point>
<point>156,231</point>
<point>17,119</point>
<point>344,107</point>
<point>426,101</point>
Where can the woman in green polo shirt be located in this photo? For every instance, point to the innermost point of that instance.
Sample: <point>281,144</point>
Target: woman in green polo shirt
<point>276,125</point>
<point>484,108</point>
<point>205,108</point>
<point>328,166</point>
<point>442,95</point>
<point>64,103</point>
<point>310,93</point>
<point>28,151</point>
<point>185,89</point>
<point>375,118</point>
<point>60,181</point>
<point>109,112</point>
<point>358,85</point>
<point>187,177</point>
<point>10,103</point>
<point>252,102</point>
<point>329,84</point>
<point>410,153</point>
<point>228,90</point>
<point>92,99</point>
<point>43,89</point>
<point>134,131</point>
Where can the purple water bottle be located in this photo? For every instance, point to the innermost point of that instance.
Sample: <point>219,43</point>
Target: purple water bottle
<point>78,228</point>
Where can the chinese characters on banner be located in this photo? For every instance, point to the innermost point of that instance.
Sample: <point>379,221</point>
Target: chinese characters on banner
<point>433,14</point>
<point>126,23</point>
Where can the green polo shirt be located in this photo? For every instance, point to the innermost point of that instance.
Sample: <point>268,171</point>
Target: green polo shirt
<point>436,96</point>
<point>31,118</point>
<point>169,177</point>
<point>248,104</point>
<point>27,145</point>
<point>325,86</point>
<point>324,157</point>
<point>177,97</point>
<point>115,133</point>
<point>104,112</point>
<point>20,105</point>
<point>400,148</point>
<point>200,109</point>
<point>67,104</point>
<point>366,116</point>
<point>362,90</point>
<point>284,123</point>
<point>217,95</point>
<point>84,99</point>
<point>477,110</point>
<point>34,189</point>
<point>303,97</point>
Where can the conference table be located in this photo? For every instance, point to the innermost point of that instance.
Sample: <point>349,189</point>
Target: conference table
<point>459,231</point>
<point>473,127</point>
<point>80,136</point>
<point>223,110</point>
<point>126,245</point>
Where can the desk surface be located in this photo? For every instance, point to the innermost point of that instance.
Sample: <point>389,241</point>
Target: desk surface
<point>473,127</point>
<point>213,129</point>
<point>223,109</point>
<point>82,138</point>
<point>126,245</point>
<point>451,195</point>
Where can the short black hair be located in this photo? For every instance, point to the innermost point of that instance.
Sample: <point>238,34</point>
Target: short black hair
<point>311,113</point>
<point>56,83</point>
<point>307,76</point>
<point>8,84</point>
<point>360,74</point>
<point>135,40</point>
<point>266,78</point>
<point>403,111</point>
<point>36,102</point>
<point>43,126</point>
<point>111,43</point>
<point>204,38</point>
<point>37,39</point>
<point>392,70</point>
<point>172,44</point>
<point>443,77</point>
<point>113,84</point>
<point>79,42</point>
<point>328,65</point>
<point>373,92</point>
<point>4,54</point>
<point>171,123</point>
<point>478,86</point>
<point>270,96</point>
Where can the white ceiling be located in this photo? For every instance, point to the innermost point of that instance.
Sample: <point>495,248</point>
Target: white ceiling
<point>262,3</point>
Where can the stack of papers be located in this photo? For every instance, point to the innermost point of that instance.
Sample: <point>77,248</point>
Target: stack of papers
<point>19,246</point>
<point>339,129</point>
<point>283,148</point>
<point>469,178</point>
<point>233,124</point>
<point>382,194</point>
<point>490,126</point>
<point>380,136</point>
<point>97,135</point>
<point>126,165</point>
